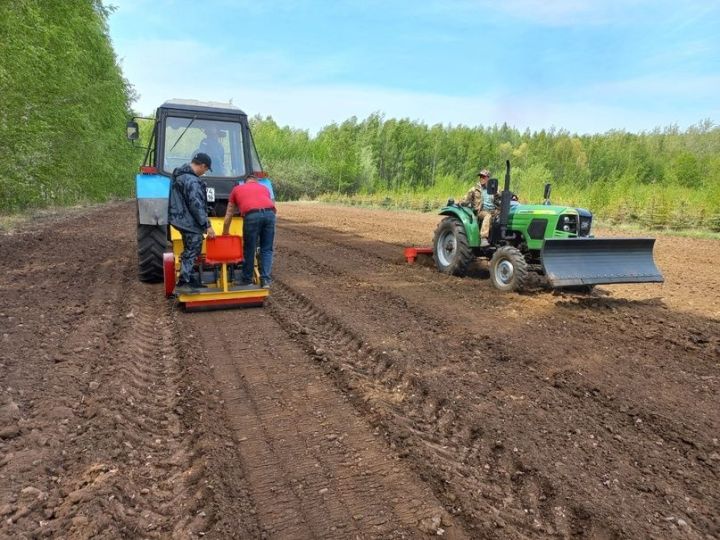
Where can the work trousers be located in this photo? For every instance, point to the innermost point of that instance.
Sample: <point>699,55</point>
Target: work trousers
<point>486,216</point>
<point>258,227</point>
<point>192,247</point>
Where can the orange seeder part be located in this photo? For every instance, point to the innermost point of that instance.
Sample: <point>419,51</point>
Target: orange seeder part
<point>411,253</point>
<point>223,249</point>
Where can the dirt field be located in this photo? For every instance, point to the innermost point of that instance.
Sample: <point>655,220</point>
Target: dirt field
<point>368,399</point>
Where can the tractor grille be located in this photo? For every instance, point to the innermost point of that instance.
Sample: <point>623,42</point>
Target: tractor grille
<point>585,224</point>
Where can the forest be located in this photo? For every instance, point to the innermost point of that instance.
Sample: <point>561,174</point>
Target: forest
<point>64,106</point>
<point>666,177</point>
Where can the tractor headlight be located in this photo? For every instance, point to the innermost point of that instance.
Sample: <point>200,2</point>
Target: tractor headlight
<point>566,228</point>
<point>566,219</point>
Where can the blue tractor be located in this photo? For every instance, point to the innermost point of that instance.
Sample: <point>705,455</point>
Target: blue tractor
<point>181,129</point>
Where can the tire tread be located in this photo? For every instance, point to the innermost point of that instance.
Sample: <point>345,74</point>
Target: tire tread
<point>519,265</point>
<point>151,244</point>
<point>464,256</point>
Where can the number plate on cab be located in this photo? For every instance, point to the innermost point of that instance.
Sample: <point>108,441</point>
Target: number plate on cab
<point>211,194</point>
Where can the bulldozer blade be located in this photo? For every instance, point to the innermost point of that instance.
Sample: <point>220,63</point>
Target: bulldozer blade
<point>592,261</point>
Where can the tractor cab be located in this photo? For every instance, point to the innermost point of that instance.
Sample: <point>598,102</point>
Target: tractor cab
<point>181,129</point>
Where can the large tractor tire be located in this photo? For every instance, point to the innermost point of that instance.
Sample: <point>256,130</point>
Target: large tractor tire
<point>151,243</point>
<point>451,252</point>
<point>508,269</point>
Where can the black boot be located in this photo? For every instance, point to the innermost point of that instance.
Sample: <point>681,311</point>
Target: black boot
<point>182,286</point>
<point>196,284</point>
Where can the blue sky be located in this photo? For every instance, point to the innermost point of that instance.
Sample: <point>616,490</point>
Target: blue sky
<point>586,66</point>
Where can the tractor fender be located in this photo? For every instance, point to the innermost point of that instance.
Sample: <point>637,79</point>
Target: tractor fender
<point>469,221</point>
<point>153,192</point>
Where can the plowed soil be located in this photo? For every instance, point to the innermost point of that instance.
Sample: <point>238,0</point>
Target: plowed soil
<point>368,399</point>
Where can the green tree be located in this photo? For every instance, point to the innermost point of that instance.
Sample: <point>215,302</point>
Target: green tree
<point>65,104</point>
<point>619,175</point>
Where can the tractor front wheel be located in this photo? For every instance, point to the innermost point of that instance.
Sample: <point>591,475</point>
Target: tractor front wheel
<point>508,269</point>
<point>151,243</point>
<point>451,251</point>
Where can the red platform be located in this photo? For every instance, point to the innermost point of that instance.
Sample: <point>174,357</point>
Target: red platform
<point>411,253</point>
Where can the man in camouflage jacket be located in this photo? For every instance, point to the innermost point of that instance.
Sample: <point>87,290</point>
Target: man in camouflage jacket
<point>483,203</point>
<point>188,214</point>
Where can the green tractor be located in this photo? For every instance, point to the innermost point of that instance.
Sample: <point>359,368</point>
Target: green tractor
<point>552,241</point>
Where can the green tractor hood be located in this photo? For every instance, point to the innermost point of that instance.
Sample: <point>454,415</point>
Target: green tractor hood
<point>535,222</point>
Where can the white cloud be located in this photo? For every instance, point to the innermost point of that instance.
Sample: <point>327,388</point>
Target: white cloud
<point>186,62</point>
<point>271,83</point>
<point>173,60</point>
<point>313,107</point>
<point>675,85</point>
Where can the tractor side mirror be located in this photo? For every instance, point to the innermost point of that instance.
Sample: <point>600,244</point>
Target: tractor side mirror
<point>546,193</point>
<point>492,186</point>
<point>133,131</point>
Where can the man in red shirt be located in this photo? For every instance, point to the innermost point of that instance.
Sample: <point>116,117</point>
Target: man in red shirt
<point>257,209</point>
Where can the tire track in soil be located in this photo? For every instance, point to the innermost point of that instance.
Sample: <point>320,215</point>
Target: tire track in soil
<point>568,381</point>
<point>609,417</point>
<point>696,333</point>
<point>377,387</point>
<point>34,371</point>
<point>95,442</point>
<point>314,467</point>
<point>703,369</point>
<point>142,480</point>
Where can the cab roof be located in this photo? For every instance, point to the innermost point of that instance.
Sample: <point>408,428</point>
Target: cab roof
<point>201,106</point>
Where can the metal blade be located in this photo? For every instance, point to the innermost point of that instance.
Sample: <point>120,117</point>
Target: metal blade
<point>592,261</point>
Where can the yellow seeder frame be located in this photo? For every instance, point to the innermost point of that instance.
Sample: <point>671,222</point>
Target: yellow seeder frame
<point>221,292</point>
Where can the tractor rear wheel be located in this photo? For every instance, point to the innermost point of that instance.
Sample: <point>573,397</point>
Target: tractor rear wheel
<point>508,269</point>
<point>151,243</point>
<point>451,251</point>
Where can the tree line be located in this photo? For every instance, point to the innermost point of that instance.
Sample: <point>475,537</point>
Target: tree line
<point>665,176</point>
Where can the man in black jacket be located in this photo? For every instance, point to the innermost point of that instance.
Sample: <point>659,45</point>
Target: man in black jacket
<point>188,214</point>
